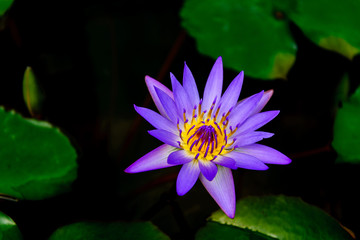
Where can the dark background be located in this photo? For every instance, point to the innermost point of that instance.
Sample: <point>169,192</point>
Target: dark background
<point>91,58</point>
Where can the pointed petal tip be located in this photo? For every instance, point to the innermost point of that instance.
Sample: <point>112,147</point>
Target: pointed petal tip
<point>127,170</point>
<point>149,80</point>
<point>181,191</point>
<point>264,168</point>
<point>231,214</point>
<point>270,92</point>
<point>219,62</point>
<point>131,169</point>
<point>286,161</point>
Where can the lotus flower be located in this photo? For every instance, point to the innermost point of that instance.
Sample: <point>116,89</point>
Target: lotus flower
<point>209,137</point>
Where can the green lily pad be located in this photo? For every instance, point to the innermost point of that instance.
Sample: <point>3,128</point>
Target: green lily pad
<point>4,5</point>
<point>8,228</point>
<point>330,25</point>
<point>248,34</point>
<point>214,230</point>
<point>108,231</point>
<point>37,161</point>
<point>346,140</point>
<point>282,217</point>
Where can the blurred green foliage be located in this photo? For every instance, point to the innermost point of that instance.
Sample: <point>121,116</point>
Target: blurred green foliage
<point>37,160</point>
<point>4,5</point>
<point>346,140</point>
<point>282,217</point>
<point>33,96</point>
<point>255,35</point>
<point>108,231</point>
<point>8,228</point>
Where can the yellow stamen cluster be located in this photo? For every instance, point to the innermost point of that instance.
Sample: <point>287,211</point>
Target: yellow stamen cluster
<point>205,135</point>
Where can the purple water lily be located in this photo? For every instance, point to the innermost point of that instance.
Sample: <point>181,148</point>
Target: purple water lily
<point>210,136</point>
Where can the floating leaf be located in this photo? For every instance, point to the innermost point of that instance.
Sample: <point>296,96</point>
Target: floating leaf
<point>214,230</point>
<point>282,217</point>
<point>4,5</point>
<point>36,160</point>
<point>8,228</point>
<point>248,34</point>
<point>108,231</point>
<point>329,25</point>
<point>33,97</point>
<point>347,130</point>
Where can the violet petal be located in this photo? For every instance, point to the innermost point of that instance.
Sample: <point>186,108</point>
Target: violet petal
<point>156,119</point>
<point>181,97</point>
<point>232,93</point>
<point>265,154</point>
<point>169,105</point>
<point>187,177</point>
<point>257,121</point>
<point>244,108</point>
<point>222,190</point>
<point>250,138</point>
<point>151,84</point>
<point>213,87</point>
<point>263,101</point>
<point>179,157</point>
<point>155,159</point>
<point>190,86</point>
<point>247,161</point>
<point>208,169</point>
<point>166,137</point>
<point>225,162</point>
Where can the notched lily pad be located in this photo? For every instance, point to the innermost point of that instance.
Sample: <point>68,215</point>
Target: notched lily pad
<point>37,161</point>
<point>248,34</point>
<point>330,25</point>
<point>109,231</point>
<point>282,217</point>
<point>8,228</point>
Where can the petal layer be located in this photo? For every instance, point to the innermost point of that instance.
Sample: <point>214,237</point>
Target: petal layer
<point>250,138</point>
<point>190,86</point>
<point>166,137</point>
<point>244,109</point>
<point>181,97</point>
<point>247,161</point>
<point>187,177</point>
<point>156,119</point>
<point>208,169</point>
<point>263,101</point>
<point>222,190</point>
<point>155,159</point>
<point>257,121</point>
<point>232,93</point>
<point>265,154</point>
<point>151,84</point>
<point>179,157</point>
<point>225,162</point>
<point>169,105</point>
<point>213,87</point>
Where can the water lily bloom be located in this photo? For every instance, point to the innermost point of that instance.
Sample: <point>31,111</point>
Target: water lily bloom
<point>210,136</point>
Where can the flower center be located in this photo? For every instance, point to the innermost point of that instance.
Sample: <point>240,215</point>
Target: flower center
<point>203,137</point>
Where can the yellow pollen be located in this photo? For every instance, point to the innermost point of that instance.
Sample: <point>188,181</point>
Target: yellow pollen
<point>205,138</point>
